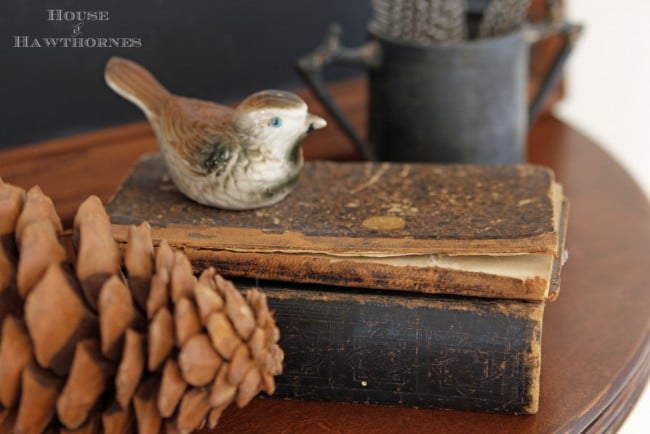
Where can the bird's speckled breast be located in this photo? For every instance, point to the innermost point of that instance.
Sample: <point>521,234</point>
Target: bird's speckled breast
<point>246,183</point>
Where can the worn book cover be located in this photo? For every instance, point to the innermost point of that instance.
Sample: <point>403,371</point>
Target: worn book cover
<point>423,350</point>
<point>448,229</point>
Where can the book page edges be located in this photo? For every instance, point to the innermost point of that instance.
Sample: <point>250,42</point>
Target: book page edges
<point>418,274</point>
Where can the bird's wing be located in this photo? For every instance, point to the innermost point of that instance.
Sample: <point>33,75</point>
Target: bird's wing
<point>200,132</point>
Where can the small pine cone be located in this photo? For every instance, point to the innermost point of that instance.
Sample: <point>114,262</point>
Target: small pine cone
<point>101,343</point>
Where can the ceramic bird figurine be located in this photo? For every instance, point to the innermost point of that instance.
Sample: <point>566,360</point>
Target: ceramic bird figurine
<point>241,158</point>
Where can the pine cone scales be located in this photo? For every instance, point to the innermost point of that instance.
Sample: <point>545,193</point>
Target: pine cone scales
<point>116,344</point>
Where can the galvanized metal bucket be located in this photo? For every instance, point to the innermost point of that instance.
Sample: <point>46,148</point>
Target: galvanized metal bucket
<point>460,102</point>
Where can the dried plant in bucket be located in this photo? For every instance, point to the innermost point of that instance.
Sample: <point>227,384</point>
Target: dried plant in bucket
<point>105,342</point>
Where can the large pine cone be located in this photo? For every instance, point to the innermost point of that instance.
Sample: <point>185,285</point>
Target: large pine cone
<point>107,341</point>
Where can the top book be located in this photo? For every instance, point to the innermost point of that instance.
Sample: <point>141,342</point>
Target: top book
<point>484,231</point>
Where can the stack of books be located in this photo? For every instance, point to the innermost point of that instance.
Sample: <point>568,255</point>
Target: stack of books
<point>402,284</point>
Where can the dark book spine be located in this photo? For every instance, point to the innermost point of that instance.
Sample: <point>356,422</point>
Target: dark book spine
<point>404,349</point>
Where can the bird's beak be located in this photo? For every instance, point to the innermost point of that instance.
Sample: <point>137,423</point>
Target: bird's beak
<point>314,122</point>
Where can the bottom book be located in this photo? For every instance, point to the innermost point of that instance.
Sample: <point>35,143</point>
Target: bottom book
<point>408,349</point>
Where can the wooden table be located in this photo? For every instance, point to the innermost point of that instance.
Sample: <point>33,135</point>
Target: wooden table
<point>596,345</point>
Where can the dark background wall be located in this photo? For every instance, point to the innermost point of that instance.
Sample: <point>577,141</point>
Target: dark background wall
<point>218,50</point>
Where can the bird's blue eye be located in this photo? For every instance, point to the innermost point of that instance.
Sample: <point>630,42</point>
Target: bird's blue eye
<point>275,122</point>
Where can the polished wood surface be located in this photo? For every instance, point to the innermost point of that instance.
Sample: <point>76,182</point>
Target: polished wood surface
<point>595,351</point>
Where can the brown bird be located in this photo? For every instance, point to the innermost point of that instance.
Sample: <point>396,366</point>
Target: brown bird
<point>244,158</point>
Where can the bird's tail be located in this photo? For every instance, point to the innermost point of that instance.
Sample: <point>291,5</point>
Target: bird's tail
<point>136,84</point>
